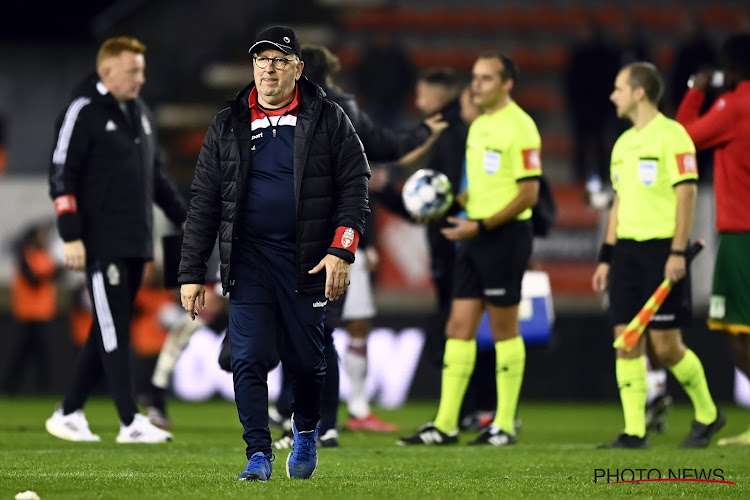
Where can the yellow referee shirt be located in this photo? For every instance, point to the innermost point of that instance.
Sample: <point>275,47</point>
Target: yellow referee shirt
<point>646,165</point>
<point>501,148</point>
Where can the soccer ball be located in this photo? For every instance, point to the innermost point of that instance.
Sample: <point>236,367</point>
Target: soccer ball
<point>427,195</point>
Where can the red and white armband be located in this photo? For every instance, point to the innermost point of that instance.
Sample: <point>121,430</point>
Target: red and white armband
<point>68,220</point>
<point>65,203</point>
<point>344,244</point>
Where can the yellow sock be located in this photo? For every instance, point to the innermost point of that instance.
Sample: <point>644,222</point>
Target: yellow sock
<point>689,373</point>
<point>458,365</point>
<point>631,380</point>
<point>510,360</point>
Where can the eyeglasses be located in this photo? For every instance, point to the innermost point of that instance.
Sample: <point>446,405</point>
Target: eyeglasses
<point>278,62</point>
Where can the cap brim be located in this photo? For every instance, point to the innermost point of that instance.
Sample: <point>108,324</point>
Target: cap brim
<point>286,49</point>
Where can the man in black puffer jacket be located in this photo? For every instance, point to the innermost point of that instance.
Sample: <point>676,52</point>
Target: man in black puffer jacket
<point>282,178</point>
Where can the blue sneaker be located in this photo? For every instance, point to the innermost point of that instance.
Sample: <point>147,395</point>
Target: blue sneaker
<point>258,467</point>
<point>303,460</point>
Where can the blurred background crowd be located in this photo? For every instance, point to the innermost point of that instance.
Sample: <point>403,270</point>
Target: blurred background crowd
<point>568,53</point>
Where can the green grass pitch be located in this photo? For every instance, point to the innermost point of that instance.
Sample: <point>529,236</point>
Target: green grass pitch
<point>555,457</point>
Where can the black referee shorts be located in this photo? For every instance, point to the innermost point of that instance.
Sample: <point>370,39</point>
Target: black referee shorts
<point>491,266</point>
<point>637,269</point>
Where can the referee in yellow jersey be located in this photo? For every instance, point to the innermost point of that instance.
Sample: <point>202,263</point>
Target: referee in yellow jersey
<point>654,174</point>
<point>503,168</point>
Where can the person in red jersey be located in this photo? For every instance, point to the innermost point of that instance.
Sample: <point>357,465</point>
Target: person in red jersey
<point>726,128</point>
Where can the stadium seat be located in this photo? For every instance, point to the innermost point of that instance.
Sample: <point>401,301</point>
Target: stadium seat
<point>546,59</point>
<point>426,57</point>
<point>472,19</point>
<point>369,19</point>
<point>557,144</point>
<point>348,56</point>
<point>554,58</point>
<point>504,18</point>
<point>721,16</point>
<point>537,99</point>
<point>445,19</point>
<point>569,278</point>
<point>572,210</point>
<point>664,56</point>
<point>525,58</point>
<point>659,18</point>
<point>414,19</point>
<point>555,19</point>
<point>610,16</point>
<point>572,16</point>
<point>542,18</point>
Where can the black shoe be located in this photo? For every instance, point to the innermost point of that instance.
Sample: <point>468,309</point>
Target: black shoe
<point>429,434</point>
<point>626,441</point>
<point>329,438</point>
<point>656,410</point>
<point>701,434</point>
<point>495,436</point>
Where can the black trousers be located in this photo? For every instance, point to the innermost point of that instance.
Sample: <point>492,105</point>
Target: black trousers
<point>112,284</point>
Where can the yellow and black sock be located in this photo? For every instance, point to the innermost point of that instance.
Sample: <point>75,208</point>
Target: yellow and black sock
<point>458,365</point>
<point>631,380</point>
<point>510,356</point>
<point>689,373</point>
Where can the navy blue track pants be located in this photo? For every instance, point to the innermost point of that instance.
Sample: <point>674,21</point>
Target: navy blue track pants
<point>266,314</point>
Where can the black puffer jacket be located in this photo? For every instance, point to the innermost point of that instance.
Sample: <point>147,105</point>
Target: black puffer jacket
<point>330,185</point>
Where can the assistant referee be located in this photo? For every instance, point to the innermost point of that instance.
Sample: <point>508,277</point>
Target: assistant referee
<point>654,174</point>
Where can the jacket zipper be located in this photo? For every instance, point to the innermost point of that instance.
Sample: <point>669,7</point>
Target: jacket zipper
<point>237,177</point>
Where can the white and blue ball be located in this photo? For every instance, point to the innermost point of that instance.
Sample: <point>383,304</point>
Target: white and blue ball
<point>427,195</point>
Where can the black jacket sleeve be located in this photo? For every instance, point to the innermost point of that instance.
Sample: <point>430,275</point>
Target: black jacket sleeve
<point>448,155</point>
<point>204,214</point>
<point>166,195</point>
<point>380,143</point>
<point>383,144</point>
<point>351,172</point>
<point>66,168</point>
